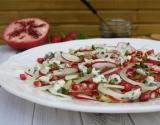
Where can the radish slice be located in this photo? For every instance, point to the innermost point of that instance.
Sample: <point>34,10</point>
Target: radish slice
<point>111,71</point>
<point>63,72</point>
<point>70,58</point>
<point>103,64</point>
<point>85,97</point>
<point>156,68</point>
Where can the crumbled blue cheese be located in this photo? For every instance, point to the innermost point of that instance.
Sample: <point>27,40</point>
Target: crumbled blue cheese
<point>33,71</point>
<point>45,78</point>
<point>64,65</point>
<point>82,67</point>
<point>150,81</point>
<point>121,60</point>
<point>57,85</point>
<point>133,95</point>
<point>45,70</point>
<point>110,48</point>
<point>53,60</point>
<point>115,78</point>
<point>97,77</point>
<point>141,71</point>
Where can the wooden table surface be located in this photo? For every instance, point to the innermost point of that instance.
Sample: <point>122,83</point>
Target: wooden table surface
<point>17,111</point>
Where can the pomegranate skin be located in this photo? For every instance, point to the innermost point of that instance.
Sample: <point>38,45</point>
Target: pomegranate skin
<point>25,44</point>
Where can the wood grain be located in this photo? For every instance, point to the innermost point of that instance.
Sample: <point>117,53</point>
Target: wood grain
<point>104,119</point>
<point>146,119</point>
<point>14,111</point>
<point>77,5</point>
<point>50,116</point>
<point>81,17</point>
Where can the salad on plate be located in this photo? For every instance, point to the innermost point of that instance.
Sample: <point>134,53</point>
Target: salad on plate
<point>113,74</point>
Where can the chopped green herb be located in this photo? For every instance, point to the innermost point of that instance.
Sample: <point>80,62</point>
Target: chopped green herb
<point>138,76</point>
<point>89,70</point>
<point>127,53</point>
<point>64,91</point>
<point>93,47</point>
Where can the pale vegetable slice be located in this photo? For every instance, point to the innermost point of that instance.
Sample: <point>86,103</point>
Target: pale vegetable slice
<point>103,89</point>
<point>70,58</point>
<point>113,86</point>
<point>81,79</point>
<point>131,95</point>
<point>66,71</point>
<point>103,64</point>
<point>143,86</point>
<point>44,88</point>
<point>59,94</point>
<point>70,77</point>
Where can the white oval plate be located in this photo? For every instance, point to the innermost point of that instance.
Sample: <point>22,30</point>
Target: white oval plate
<point>9,79</point>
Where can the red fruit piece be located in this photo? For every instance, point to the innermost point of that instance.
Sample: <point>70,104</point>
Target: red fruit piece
<point>40,60</point>
<point>125,64</point>
<point>23,76</point>
<point>145,96</point>
<point>127,86</point>
<point>37,83</point>
<point>149,52</point>
<point>132,60</point>
<point>75,87</point>
<point>67,38</point>
<point>72,35</point>
<point>92,86</point>
<point>26,33</point>
<point>56,39</point>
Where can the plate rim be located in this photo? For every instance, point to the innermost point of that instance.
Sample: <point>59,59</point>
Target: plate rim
<point>74,108</point>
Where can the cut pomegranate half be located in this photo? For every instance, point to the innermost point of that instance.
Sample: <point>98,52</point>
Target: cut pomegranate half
<point>26,33</point>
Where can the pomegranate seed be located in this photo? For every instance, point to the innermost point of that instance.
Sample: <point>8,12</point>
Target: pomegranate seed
<point>23,76</point>
<point>94,57</point>
<point>95,94</point>
<point>127,86</point>
<point>139,53</point>
<point>75,87</point>
<point>40,60</point>
<point>132,60</point>
<point>37,84</point>
<point>125,64</point>
<point>145,96</point>
<point>92,86</point>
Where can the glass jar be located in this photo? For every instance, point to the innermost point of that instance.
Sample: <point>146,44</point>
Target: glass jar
<point>116,28</point>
